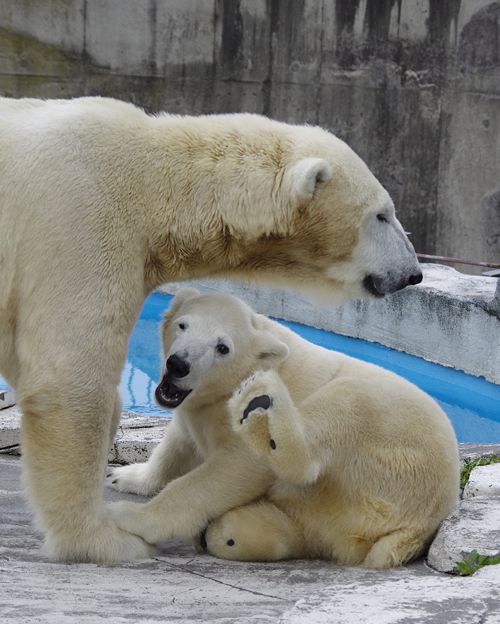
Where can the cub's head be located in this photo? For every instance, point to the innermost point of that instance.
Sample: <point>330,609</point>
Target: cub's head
<point>210,345</point>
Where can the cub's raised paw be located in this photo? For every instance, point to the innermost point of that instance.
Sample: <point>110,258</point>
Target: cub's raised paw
<point>263,414</point>
<point>253,405</point>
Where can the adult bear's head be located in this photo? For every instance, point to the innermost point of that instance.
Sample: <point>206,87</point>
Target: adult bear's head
<point>300,209</point>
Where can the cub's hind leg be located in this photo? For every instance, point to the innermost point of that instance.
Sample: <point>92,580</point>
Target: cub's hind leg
<point>396,549</point>
<point>256,532</point>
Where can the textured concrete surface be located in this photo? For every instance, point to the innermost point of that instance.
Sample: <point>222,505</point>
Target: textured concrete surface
<point>474,525</point>
<point>450,318</point>
<point>484,481</point>
<point>7,398</point>
<point>411,85</point>
<point>182,586</point>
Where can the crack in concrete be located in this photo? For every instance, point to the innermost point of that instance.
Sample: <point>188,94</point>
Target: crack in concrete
<point>209,578</point>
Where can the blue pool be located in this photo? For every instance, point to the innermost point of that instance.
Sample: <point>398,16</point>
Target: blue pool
<point>472,403</point>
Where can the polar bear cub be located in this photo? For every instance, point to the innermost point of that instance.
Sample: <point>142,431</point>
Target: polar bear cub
<point>282,449</point>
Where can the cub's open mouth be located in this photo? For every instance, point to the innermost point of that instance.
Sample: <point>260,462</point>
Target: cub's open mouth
<point>168,395</point>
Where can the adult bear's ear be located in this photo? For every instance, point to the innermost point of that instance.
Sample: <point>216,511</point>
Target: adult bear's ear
<point>269,350</point>
<point>309,176</point>
<point>183,295</point>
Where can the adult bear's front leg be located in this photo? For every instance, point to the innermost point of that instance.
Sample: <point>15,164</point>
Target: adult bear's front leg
<point>263,414</point>
<point>65,448</point>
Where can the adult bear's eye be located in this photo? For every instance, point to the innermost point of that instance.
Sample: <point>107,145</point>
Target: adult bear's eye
<point>222,349</point>
<point>382,217</point>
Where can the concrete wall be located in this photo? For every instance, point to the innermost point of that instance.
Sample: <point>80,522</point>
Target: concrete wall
<point>450,318</point>
<point>412,85</point>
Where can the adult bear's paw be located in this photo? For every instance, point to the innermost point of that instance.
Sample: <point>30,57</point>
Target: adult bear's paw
<point>254,407</point>
<point>100,543</point>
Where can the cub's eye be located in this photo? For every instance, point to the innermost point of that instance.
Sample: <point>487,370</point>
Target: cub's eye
<point>222,349</point>
<point>382,217</point>
<point>182,326</point>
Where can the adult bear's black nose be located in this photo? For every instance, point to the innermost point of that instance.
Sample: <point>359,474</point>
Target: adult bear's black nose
<point>415,279</point>
<point>177,367</point>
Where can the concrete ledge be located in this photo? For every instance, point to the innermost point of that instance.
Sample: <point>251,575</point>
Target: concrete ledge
<point>7,399</point>
<point>484,481</point>
<point>474,523</point>
<point>10,431</point>
<point>135,439</point>
<point>138,434</point>
<point>472,526</point>
<point>451,318</point>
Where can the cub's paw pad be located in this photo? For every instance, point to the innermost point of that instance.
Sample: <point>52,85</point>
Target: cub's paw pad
<point>263,401</point>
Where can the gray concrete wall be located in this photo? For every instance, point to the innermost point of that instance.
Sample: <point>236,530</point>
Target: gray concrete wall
<point>412,85</point>
<point>450,318</point>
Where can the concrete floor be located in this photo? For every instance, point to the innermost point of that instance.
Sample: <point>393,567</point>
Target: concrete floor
<point>181,586</point>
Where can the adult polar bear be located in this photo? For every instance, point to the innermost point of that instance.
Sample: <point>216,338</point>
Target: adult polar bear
<point>316,454</point>
<point>100,203</point>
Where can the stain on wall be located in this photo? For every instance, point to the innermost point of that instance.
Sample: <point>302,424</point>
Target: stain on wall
<point>232,33</point>
<point>443,14</point>
<point>491,207</point>
<point>480,38</point>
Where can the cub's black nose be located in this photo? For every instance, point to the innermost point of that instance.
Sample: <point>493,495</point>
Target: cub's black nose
<point>177,367</point>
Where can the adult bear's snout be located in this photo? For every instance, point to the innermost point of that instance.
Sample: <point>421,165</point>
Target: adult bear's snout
<point>379,286</point>
<point>415,279</point>
<point>177,367</point>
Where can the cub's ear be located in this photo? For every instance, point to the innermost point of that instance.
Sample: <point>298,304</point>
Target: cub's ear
<point>269,350</point>
<point>183,295</point>
<point>309,175</point>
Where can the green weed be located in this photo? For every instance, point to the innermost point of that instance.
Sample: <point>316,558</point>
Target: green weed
<point>481,461</point>
<point>472,562</point>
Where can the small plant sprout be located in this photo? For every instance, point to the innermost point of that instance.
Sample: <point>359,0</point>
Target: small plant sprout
<point>472,562</point>
<point>469,466</point>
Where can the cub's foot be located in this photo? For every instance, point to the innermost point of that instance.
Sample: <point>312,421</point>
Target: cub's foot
<point>130,517</point>
<point>146,520</point>
<point>257,532</point>
<point>136,479</point>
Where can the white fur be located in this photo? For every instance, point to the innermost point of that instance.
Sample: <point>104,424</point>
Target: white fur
<point>345,461</point>
<point>309,174</point>
<point>100,204</point>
